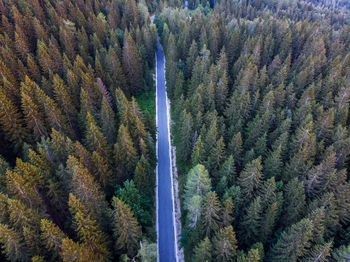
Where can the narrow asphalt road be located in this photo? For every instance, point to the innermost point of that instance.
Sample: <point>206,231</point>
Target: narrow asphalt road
<point>165,208</point>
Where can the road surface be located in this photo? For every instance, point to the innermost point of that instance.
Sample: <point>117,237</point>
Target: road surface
<point>165,204</point>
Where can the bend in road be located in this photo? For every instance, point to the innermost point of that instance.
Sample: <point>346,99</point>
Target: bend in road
<point>167,244</point>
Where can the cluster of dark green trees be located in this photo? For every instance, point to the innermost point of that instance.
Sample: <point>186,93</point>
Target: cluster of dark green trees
<point>77,155</point>
<point>260,95</point>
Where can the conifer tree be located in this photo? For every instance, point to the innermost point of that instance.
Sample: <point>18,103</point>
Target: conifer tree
<point>211,220</point>
<point>294,201</point>
<point>95,139</point>
<point>108,124</point>
<point>203,252</point>
<point>135,200</point>
<point>250,178</point>
<point>125,153</point>
<point>293,243</point>
<point>13,244</point>
<point>185,136</point>
<point>342,253</point>
<point>34,116</point>
<point>197,186</point>
<point>88,230</point>
<point>228,170</point>
<point>52,236</point>
<point>227,212</point>
<point>88,191</point>
<point>126,229</point>
<point>198,152</point>
<point>251,221</point>
<point>132,65</point>
<point>64,98</point>
<point>225,244</point>
<point>74,251</point>
<point>252,256</point>
<point>11,120</point>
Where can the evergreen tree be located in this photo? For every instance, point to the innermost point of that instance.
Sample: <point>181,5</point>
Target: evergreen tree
<point>197,187</point>
<point>74,251</point>
<point>225,244</point>
<point>341,254</point>
<point>185,136</point>
<point>88,191</point>
<point>13,244</point>
<point>88,230</point>
<point>11,120</point>
<point>211,220</point>
<point>132,65</point>
<point>250,178</point>
<point>125,153</point>
<point>294,201</point>
<point>53,236</point>
<point>126,229</point>
<point>293,242</point>
<point>203,252</point>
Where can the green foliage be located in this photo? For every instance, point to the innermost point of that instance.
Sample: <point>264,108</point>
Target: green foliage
<point>137,202</point>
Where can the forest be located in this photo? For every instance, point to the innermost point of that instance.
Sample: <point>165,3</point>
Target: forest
<point>77,152</point>
<point>259,91</point>
<point>260,106</point>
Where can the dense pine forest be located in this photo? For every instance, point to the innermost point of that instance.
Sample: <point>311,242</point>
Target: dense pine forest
<point>77,151</point>
<point>260,105</point>
<point>259,91</point>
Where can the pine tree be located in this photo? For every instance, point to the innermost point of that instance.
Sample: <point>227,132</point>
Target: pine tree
<point>221,91</point>
<point>64,98</point>
<point>198,152</point>
<point>74,251</point>
<point>185,136</point>
<point>148,251</point>
<point>142,174</point>
<point>108,123</point>
<point>225,244</point>
<point>21,43</point>
<point>11,120</point>
<point>203,252</point>
<point>321,177</point>
<point>125,153</point>
<point>95,140</point>
<point>227,212</point>
<point>136,201</point>
<point>273,163</point>
<point>250,178</point>
<point>211,220</point>
<point>45,61</point>
<point>235,148</point>
<point>132,65</point>
<point>197,186</point>
<point>294,201</point>
<point>88,230</point>
<point>24,182</point>
<point>13,244</point>
<point>84,156</point>
<point>54,116</point>
<point>34,115</point>
<point>126,229</point>
<point>216,155</point>
<point>88,191</point>
<point>293,242</point>
<point>252,220</point>
<point>341,254</point>
<point>52,236</point>
<point>252,256</point>
<point>228,170</point>
<point>104,172</point>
